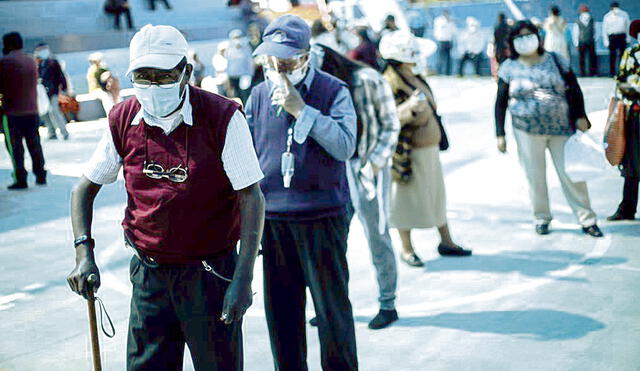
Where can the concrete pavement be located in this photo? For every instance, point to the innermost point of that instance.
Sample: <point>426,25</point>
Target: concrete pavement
<point>521,302</point>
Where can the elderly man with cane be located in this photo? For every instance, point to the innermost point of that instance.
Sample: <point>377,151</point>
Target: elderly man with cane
<point>191,176</point>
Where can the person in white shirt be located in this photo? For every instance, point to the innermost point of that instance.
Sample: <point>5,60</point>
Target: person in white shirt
<point>444,30</point>
<point>555,40</point>
<point>471,43</point>
<point>614,33</point>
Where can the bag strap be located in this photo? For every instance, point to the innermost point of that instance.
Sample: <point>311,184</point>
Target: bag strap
<point>562,71</point>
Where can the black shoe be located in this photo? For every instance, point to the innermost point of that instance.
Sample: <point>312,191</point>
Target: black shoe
<point>41,180</point>
<point>445,250</point>
<point>617,216</point>
<point>18,185</point>
<point>314,321</point>
<point>412,260</point>
<point>542,229</point>
<point>592,231</point>
<point>383,319</point>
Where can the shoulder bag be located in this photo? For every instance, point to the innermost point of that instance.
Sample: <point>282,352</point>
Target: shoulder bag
<point>614,132</point>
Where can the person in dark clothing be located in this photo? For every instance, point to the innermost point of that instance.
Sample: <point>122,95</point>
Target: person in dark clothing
<point>303,125</point>
<point>389,24</point>
<point>117,8</point>
<point>500,37</point>
<point>152,4</point>
<point>586,42</point>
<point>55,82</point>
<point>366,52</point>
<point>628,80</point>
<point>18,81</point>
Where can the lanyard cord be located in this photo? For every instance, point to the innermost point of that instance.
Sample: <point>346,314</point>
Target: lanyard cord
<point>112,333</point>
<point>146,152</point>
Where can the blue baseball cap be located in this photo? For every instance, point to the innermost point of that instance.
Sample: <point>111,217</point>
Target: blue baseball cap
<point>284,37</point>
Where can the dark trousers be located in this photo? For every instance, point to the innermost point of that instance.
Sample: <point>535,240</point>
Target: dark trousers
<point>17,129</point>
<point>152,4</point>
<point>300,254</point>
<point>127,14</point>
<point>476,59</point>
<point>176,304</point>
<point>444,57</point>
<point>236,91</point>
<point>587,52</point>
<point>617,44</point>
<point>629,204</point>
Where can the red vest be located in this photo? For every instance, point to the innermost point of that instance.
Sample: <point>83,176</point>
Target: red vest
<point>179,222</point>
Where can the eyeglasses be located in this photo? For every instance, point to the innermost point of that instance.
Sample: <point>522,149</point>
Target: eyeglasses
<point>283,65</point>
<point>167,84</point>
<point>178,174</point>
<point>156,171</point>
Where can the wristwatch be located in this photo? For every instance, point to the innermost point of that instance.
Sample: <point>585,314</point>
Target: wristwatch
<point>82,239</point>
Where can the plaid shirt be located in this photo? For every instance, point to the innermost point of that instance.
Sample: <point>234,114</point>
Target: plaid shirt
<point>376,110</point>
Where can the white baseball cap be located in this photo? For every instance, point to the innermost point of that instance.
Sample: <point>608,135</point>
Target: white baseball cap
<point>161,47</point>
<point>400,46</point>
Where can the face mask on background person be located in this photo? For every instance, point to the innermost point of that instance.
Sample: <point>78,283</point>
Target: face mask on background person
<point>43,53</point>
<point>526,45</point>
<point>160,100</point>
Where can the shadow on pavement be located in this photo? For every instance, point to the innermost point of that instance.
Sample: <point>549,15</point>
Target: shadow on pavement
<point>535,263</point>
<point>39,204</point>
<point>626,229</point>
<point>535,324</point>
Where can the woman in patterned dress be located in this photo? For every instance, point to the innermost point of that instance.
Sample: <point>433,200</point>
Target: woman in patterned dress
<point>531,85</point>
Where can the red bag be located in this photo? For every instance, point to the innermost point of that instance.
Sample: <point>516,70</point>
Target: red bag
<point>614,132</point>
<point>68,104</point>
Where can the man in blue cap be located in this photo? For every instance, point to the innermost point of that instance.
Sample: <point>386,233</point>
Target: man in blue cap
<point>304,129</point>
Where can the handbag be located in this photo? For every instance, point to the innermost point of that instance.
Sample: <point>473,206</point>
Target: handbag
<point>42,100</point>
<point>68,104</point>
<point>584,158</point>
<point>444,140</point>
<point>614,132</point>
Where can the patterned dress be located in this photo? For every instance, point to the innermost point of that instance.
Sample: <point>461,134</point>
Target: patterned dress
<point>537,99</point>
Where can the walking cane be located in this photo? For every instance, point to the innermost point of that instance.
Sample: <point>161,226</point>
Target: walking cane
<point>93,326</point>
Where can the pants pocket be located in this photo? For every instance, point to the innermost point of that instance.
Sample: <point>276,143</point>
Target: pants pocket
<point>134,268</point>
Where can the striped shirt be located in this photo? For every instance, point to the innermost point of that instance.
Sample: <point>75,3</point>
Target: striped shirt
<point>238,155</point>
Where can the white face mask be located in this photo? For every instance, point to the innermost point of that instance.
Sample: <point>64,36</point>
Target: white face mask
<point>526,45</point>
<point>295,76</point>
<point>159,102</point>
<point>43,53</point>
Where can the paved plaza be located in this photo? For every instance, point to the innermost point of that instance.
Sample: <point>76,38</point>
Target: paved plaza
<point>521,302</point>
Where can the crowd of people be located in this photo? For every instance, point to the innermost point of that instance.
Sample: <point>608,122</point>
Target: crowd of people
<point>326,123</point>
